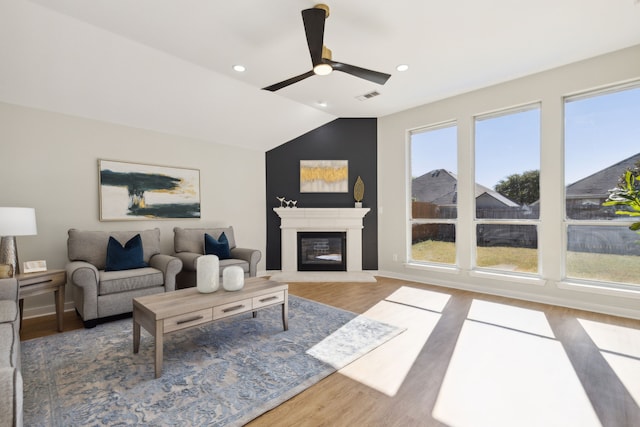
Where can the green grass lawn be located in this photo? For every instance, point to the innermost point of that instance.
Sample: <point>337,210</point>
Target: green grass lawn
<point>580,265</point>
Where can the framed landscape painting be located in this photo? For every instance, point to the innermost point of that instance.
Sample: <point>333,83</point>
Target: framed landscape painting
<point>134,191</point>
<point>324,176</point>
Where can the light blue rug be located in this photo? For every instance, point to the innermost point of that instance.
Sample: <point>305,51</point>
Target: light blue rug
<point>225,373</point>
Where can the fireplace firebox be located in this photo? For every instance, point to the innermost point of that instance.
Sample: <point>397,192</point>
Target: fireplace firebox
<point>322,251</point>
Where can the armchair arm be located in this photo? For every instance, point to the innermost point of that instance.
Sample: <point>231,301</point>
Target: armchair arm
<point>9,289</point>
<point>189,260</point>
<point>170,267</point>
<point>83,274</point>
<point>252,256</point>
<point>86,277</point>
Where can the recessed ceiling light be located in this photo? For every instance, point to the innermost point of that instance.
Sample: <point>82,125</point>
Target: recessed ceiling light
<point>402,67</point>
<point>239,68</point>
<point>322,103</point>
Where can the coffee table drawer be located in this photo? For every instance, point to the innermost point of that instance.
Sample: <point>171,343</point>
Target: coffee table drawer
<point>232,308</point>
<point>187,320</point>
<point>268,299</point>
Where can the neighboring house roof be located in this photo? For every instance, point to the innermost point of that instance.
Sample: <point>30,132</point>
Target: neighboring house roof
<point>598,184</point>
<point>481,190</point>
<point>437,186</point>
<point>440,186</point>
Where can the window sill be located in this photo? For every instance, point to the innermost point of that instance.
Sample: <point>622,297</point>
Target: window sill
<point>602,289</point>
<point>521,279</point>
<point>451,269</point>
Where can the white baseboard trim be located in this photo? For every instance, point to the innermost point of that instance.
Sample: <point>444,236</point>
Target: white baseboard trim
<point>45,310</point>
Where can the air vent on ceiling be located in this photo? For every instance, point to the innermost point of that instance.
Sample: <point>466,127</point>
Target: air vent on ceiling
<point>368,95</point>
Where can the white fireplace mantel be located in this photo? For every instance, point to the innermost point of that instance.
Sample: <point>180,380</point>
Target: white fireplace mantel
<point>347,220</point>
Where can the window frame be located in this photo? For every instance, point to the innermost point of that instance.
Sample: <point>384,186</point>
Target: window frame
<point>583,284</point>
<point>534,278</point>
<point>418,221</point>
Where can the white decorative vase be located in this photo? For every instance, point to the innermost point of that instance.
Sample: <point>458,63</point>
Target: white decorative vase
<point>358,204</point>
<point>233,278</point>
<point>208,274</point>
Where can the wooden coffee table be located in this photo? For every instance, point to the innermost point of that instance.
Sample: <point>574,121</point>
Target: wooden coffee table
<point>168,312</point>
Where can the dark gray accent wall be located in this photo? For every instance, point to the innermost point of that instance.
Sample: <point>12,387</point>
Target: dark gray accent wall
<point>354,140</point>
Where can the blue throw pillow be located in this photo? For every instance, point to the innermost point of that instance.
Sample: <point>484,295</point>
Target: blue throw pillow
<point>125,257</point>
<point>219,247</point>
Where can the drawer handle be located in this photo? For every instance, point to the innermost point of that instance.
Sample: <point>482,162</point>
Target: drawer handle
<point>40,283</point>
<point>234,308</point>
<point>268,299</point>
<point>190,319</point>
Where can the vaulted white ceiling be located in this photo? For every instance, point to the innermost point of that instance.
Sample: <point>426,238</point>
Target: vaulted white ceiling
<point>166,65</point>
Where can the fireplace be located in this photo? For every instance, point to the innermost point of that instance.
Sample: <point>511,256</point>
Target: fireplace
<point>322,251</point>
<point>342,220</point>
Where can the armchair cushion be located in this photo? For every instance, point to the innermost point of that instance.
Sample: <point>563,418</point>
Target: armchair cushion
<point>112,282</point>
<point>125,257</point>
<point>219,247</point>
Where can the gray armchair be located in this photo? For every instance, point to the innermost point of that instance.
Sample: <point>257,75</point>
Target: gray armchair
<point>98,293</point>
<point>189,246</point>
<point>11,394</point>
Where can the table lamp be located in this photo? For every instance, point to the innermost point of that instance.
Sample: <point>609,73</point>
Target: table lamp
<point>15,222</point>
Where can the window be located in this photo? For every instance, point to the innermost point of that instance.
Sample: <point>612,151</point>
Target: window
<point>507,190</point>
<point>434,194</point>
<point>601,141</point>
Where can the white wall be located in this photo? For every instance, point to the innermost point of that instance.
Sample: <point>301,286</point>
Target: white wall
<point>549,88</point>
<point>49,161</point>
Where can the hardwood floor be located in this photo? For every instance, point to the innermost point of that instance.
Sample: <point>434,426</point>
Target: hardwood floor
<point>598,354</point>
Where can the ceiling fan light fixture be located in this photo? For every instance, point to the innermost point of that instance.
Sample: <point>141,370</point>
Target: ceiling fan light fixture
<point>314,20</point>
<point>322,69</point>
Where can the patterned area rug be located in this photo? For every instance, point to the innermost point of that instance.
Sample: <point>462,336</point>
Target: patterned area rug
<point>225,373</point>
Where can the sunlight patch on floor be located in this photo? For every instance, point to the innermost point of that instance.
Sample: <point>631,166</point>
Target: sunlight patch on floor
<point>504,377</point>
<point>620,347</point>
<point>385,368</point>
<point>520,319</point>
<point>420,298</point>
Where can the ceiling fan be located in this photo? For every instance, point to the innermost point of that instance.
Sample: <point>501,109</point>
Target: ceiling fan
<point>314,20</point>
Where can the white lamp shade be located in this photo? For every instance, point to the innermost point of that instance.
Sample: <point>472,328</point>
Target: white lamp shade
<point>18,222</point>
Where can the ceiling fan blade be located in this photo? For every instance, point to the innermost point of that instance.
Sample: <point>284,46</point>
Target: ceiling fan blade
<point>314,28</point>
<point>288,82</point>
<point>363,73</point>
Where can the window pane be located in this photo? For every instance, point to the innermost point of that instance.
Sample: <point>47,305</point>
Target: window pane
<point>602,139</point>
<point>508,165</point>
<point>433,173</point>
<point>604,253</point>
<point>433,243</point>
<point>507,247</point>
<point>602,134</point>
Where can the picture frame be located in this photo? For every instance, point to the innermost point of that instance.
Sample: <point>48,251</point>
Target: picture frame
<point>138,191</point>
<point>324,176</point>
<point>34,266</point>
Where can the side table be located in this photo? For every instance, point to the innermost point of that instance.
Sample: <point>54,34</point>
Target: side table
<point>43,282</point>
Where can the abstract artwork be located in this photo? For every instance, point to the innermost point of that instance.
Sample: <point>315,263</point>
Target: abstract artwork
<point>138,191</point>
<point>324,176</point>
